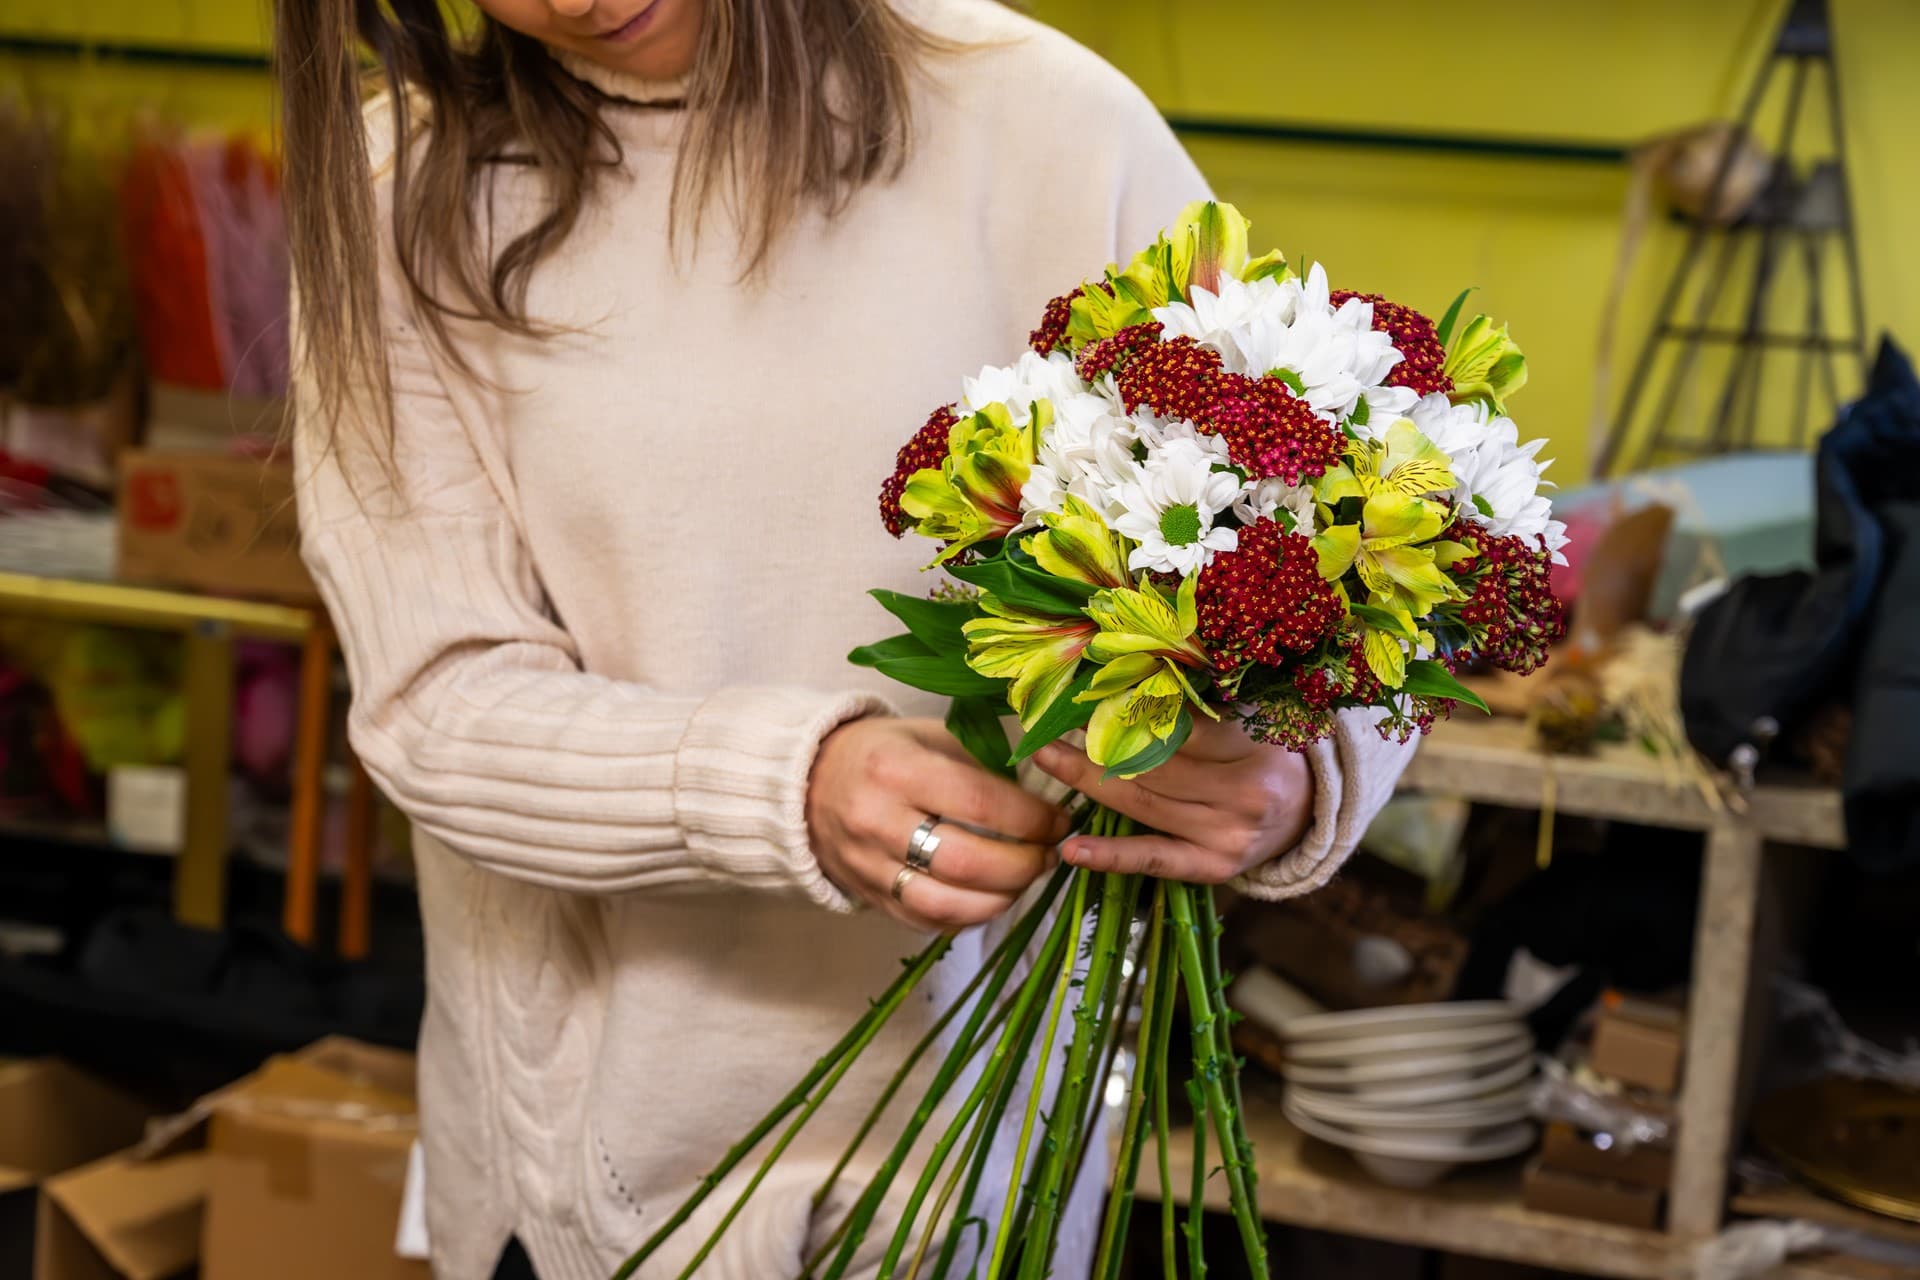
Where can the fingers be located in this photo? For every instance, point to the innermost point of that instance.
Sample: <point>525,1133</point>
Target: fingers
<point>925,902</point>
<point>958,788</point>
<point>973,861</point>
<point>1217,740</point>
<point>1167,857</point>
<point>1151,808</point>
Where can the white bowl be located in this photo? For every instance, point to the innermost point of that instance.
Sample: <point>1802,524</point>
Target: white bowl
<point>1451,1089</point>
<point>1408,1162</point>
<point>1440,1040</point>
<point>1395,1019</point>
<point>1502,1107</point>
<point>1433,1067</point>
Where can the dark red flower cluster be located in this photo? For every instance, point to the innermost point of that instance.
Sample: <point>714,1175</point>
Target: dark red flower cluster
<point>1349,680</point>
<point>1265,599</point>
<point>1269,431</point>
<point>1423,367</point>
<point>928,448</point>
<point>1282,719</point>
<point>1053,323</point>
<point>1511,610</point>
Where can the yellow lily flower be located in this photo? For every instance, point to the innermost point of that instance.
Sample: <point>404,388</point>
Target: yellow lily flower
<point>1139,620</point>
<point>974,495</point>
<point>1077,544</point>
<point>1384,547</point>
<point>1145,643</point>
<point>1139,699</point>
<point>1038,654</point>
<point>1403,462</point>
<point>1485,364</point>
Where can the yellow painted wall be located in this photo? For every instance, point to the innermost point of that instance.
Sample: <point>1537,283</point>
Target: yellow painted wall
<point>1538,237</point>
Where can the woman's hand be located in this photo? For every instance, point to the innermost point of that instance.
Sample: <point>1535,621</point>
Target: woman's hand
<point>876,780</point>
<point>1223,805</point>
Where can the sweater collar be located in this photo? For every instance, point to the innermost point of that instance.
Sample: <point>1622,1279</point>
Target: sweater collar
<point>623,85</point>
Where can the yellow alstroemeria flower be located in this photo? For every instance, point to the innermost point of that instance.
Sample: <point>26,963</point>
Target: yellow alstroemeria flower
<point>1385,648</point>
<point>1038,654</point>
<point>1485,364</point>
<point>975,494</point>
<point>1403,462</point>
<point>1144,642</point>
<point>1385,547</point>
<point>1206,243</point>
<point>1076,543</point>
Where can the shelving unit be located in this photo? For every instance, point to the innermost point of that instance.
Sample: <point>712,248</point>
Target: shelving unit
<point>1306,1183</point>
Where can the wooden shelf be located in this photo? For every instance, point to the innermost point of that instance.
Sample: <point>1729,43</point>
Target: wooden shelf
<point>1492,760</point>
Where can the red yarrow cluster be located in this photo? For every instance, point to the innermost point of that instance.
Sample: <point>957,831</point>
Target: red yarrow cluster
<point>1511,611</point>
<point>1270,432</point>
<point>928,448</point>
<point>1422,367</point>
<point>1053,324</point>
<point>1265,599</point>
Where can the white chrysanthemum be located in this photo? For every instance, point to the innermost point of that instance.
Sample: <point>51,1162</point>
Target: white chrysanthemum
<point>1031,377</point>
<point>1264,499</point>
<point>1156,432</point>
<point>1170,505</point>
<point>1086,451</point>
<point>1334,352</point>
<point>1491,465</point>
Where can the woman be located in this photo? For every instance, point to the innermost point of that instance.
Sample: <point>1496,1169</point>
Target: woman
<point>610,322</point>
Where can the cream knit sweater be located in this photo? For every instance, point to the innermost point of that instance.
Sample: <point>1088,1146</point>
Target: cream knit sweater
<point>596,640</point>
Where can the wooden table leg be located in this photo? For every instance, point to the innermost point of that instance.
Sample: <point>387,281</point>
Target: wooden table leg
<point>1717,1013</point>
<point>200,876</point>
<point>356,880</point>
<point>308,819</point>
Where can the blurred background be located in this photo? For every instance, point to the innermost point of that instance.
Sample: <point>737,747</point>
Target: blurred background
<point>1669,888</point>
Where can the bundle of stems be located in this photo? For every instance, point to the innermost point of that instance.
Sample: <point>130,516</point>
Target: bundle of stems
<point>1014,1014</point>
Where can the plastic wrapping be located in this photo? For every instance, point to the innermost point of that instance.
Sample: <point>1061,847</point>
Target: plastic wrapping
<point>1577,1099</point>
<point>1755,1248</point>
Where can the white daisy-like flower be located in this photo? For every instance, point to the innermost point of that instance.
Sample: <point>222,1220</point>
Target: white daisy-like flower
<point>1169,508</point>
<point>1499,480</point>
<point>1265,499</point>
<point>1086,451</point>
<point>1031,377</point>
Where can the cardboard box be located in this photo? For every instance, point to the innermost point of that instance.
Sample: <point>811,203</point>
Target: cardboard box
<point>1551,1191</point>
<point>1568,1150</point>
<point>294,1172</point>
<point>307,1166</point>
<point>52,1118</point>
<point>211,522</point>
<point>1639,1045</point>
<point>194,420</point>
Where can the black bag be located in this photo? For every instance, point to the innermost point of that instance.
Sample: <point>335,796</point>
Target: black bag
<point>1775,647</point>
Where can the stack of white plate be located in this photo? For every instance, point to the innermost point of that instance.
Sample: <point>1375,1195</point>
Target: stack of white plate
<point>1413,1091</point>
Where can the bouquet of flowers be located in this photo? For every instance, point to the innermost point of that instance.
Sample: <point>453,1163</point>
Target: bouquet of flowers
<point>1213,487</point>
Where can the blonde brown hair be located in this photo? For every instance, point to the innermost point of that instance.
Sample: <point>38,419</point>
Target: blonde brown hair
<point>791,103</point>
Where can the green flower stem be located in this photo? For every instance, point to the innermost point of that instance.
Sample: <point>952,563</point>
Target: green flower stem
<point>1078,914</point>
<point>1133,1134</point>
<point>1217,983</point>
<point>1162,1134</point>
<point>1062,1140</point>
<point>1207,1031</point>
<point>1025,1007</point>
<point>1008,952</point>
<point>968,1042</point>
<point>1197,1194</point>
<point>848,1048</point>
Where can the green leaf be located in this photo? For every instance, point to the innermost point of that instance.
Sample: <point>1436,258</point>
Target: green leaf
<point>1063,715</point>
<point>1156,755</point>
<point>1380,620</point>
<point>1024,586</point>
<point>1484,507</point>
<point>936,622</point>
<point>872,655</point>
<point>1361,412</point>
<point>1445,330</point>
<point>941,673</point>
<point>1430,679</point>
<point>976,723</point>
<point>1295,383</point>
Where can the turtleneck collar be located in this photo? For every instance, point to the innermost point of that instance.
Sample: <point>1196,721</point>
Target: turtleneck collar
<point>621,84</point>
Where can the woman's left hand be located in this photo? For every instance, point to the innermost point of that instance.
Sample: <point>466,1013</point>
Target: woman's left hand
<point>1221,807</point>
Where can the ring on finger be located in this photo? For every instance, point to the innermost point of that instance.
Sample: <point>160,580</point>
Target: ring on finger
<point>900,883</point>
<point>923,844</point>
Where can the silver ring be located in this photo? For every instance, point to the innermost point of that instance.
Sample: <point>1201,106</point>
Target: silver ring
<point>923,844</point>
<point>900,883</point>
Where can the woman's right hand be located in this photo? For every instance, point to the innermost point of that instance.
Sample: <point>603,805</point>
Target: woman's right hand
<point>876,779</point>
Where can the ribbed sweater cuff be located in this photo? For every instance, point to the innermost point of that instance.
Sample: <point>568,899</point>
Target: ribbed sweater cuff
<point>1312,862</point>
<point>740,783</point>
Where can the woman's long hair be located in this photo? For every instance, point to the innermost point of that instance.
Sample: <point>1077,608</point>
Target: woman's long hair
<point>790,102</point>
